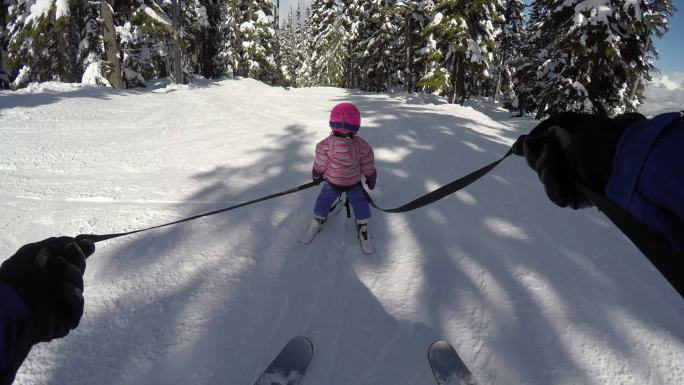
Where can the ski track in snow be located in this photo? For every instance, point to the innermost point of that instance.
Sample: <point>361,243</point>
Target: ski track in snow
<point>526,292</point>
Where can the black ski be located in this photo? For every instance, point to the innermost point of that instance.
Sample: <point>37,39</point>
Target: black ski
<point>447,366</point>
<point>290,364</point>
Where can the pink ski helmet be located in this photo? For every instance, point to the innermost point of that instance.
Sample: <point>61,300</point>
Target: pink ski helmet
<point>345,117</point>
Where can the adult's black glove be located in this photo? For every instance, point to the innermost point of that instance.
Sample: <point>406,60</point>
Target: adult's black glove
<point>48,276</point>
<point>572,148</point>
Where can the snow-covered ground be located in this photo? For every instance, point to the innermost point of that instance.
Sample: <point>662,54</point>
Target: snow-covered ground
<point>528,293</point>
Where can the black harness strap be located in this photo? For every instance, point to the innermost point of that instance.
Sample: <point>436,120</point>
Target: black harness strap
<point>443,191</point>
<point>346,206</point>
<point>658,251</point>
<point>103,237</point>
<point>656,248</point>
<point>342,190</point>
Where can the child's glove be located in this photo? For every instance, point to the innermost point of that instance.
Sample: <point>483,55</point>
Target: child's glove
<point>316,176</point>
<point>371,179</point>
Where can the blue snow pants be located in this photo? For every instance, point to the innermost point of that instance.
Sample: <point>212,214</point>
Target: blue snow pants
<point>358,201</point>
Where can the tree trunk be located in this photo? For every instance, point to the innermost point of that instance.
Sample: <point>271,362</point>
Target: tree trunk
<point>177,48</point>
<point>209,45</point>
<point>409,51</point>
<point>460,79</point>
<point>208,53</point>
<point>497,92</point>
<point>457,74</point>
<point>110,44</point>
<point>276,17</point>
<point>541,111</point>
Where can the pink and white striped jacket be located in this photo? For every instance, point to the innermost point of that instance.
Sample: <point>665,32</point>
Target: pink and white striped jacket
<point>342,161</point>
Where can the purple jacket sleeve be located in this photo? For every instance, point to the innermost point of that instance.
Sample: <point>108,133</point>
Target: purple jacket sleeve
<point>13,315</point>
<point>648,175</point>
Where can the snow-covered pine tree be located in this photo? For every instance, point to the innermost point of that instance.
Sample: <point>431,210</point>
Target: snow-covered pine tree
<point>277,43</point>
<point>90,49</point>
<point>508,44</point>
<point>201,38</point>
<point>461,41</point>
<point>598,49</point>
<point>416,16</point>
<point>43,42</point>
<point>327,45</point>
<point>534,52</point>
<point>302,36</point>
<point>484,21</point>
<point>229,52</point>
<point>144,30</point>
<point>397,57</point>
<point>288,52</point>
<point>351,27</point>
<point>656,17</point>
<point>257,34</point>
<point>377,45</point>
<point>4,40</point>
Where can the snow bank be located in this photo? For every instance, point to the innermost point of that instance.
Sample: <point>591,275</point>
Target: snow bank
<point>37,88</point>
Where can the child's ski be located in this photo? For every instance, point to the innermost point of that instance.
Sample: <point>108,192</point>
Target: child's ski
<point>290,364</point>
<point>315,227</point>
<point>364,238</point>
<point>367,246</point>
<point>447,366</point>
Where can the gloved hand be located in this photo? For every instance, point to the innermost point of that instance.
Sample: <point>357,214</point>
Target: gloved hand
<point>572,148</point>
<point>316,176</point>
<point>371,179</point>
<point>48,276</point>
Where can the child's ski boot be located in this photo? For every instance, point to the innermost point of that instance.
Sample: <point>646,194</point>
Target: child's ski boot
<point>314,228</point>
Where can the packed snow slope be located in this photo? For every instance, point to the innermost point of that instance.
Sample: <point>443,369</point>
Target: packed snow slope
<point>528,293</point>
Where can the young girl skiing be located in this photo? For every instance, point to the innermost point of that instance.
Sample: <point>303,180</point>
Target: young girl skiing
<point>341,159</point>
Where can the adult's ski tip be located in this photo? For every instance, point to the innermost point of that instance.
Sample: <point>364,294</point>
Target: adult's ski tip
<point>301,340</point>
<point>300,344</point>
<point>290,365</point>
<point>447,365</point>
<point>439,344</point>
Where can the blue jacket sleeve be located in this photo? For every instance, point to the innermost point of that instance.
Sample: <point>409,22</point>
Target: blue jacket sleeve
<point>13,316</point>
<point>648,175</point>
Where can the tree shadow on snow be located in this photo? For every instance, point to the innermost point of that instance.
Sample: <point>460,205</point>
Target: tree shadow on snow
<point>213,300</point>
<point>191,308</point>
<point>490,279</point>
